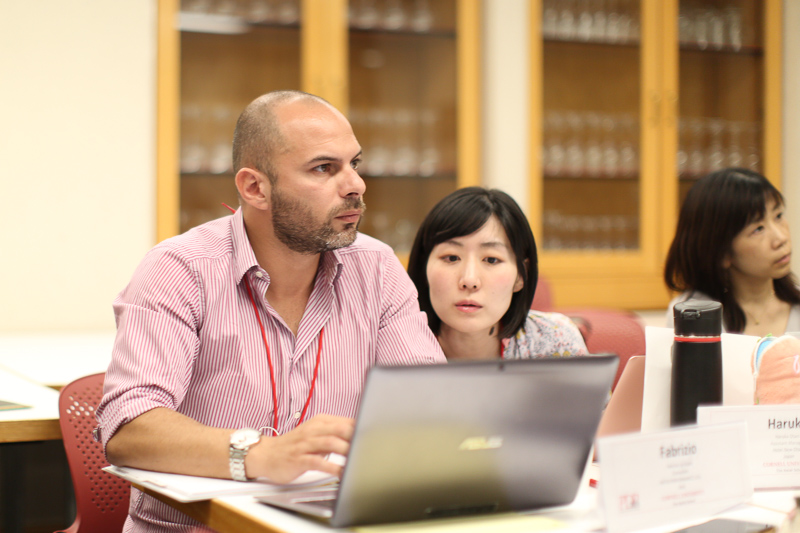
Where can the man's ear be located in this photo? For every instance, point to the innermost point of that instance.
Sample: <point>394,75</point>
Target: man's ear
<point>254,187</point>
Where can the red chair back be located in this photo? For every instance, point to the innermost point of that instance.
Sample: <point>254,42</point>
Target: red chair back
<point>607,330</point>
<point>101,499</point>
<point>543,297</point>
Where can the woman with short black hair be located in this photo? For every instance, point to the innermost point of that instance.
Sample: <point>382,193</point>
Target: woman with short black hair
<point>475,266</point>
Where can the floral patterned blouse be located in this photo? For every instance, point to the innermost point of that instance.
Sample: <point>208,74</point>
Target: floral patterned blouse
<point>545,335</point>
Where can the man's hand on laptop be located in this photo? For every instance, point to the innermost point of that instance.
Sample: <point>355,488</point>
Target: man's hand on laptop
<point>282,459</point>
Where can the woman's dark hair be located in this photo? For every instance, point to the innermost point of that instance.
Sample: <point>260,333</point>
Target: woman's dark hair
<point>464,212</point>
<point>715,210</point>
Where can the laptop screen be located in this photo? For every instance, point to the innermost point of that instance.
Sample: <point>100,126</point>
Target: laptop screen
<point>472,437</point>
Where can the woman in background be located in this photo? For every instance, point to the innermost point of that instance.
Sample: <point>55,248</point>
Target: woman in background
<point>732,245</point>
<point>475,267</point>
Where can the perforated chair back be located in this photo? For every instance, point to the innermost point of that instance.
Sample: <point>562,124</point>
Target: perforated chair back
<point>101,499</point>
<point>607,330</point>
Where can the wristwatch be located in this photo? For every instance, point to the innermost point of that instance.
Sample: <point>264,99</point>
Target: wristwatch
<point>241,441</point>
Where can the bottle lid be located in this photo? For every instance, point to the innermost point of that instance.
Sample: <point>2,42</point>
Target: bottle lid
<point>698,318</point>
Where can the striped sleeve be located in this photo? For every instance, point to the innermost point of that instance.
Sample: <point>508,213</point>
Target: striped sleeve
<point>158,318</point>
<point>404,337</point>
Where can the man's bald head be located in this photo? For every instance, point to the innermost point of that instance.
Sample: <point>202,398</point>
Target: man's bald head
<point>258,135</point>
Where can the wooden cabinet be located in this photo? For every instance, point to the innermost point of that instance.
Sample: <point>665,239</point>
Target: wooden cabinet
<point>404,71</point>
<point>633,101</point>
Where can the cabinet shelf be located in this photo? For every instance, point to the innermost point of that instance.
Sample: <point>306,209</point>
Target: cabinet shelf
<point>225,24</point>
<point>435,34</point>
<point>692,47</point>
<point>628,43</point>
<point>439,176</point>
<point>588,178</point>
<point>416,177</point>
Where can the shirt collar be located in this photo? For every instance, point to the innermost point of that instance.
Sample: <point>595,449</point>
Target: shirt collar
<point>245,259</point>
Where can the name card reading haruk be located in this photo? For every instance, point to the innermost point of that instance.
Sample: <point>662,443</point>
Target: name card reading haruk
<point>659,478</point>
<point>773,433</point>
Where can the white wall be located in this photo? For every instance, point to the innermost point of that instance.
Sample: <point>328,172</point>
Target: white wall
<point>77,158</point>
<point>791,119</point>
<point>505,100</point>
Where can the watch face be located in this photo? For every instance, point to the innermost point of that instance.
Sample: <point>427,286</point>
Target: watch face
<point>245,437</point>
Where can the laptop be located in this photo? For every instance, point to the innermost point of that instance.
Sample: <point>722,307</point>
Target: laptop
<point>465,438</point>
<point>624,411</point>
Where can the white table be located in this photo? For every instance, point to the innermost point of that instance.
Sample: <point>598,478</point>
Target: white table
<point>243,514</point>
<point>34,423</point>
<point>56,359</point>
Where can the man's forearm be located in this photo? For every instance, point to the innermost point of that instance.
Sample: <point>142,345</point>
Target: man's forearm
<point>166,441</point>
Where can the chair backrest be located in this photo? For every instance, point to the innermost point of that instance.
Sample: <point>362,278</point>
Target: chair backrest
<point>101,499</point>
<point>608,330</point>
<point>543,297</point>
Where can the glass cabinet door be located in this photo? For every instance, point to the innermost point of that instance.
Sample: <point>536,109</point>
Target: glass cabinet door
<point>591,92</point>
<point>638,100</point>
<point>402,95</point>
<point>721,85</point>
<point>594,196</point>
<point>231,51</point>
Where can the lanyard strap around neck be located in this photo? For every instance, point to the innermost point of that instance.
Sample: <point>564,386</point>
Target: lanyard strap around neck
<point>272,369</point>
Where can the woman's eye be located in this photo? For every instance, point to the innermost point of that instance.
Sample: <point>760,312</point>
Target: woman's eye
<point>450,258</point>
<point>492,260</point>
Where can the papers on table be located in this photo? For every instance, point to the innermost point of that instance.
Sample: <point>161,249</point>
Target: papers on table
<point>7,406</point>
<point>193,488</point>
<point>43,401</point>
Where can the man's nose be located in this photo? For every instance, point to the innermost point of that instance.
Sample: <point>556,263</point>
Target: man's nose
<point>353,184</point>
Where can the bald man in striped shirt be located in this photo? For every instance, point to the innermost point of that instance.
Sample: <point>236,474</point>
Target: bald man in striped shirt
<point>243,345</point>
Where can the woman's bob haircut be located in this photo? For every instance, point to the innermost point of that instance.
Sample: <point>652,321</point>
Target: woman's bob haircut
<point>462,213</point>
<point>715,211</point>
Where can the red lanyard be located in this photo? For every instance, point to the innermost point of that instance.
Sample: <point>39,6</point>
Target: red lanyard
<point>272,370</point>
<point>269,359</point>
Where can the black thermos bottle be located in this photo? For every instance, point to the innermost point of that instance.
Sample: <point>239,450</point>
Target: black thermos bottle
<point>696,359</point>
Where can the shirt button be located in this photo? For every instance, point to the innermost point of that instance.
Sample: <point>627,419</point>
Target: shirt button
<point>259,275</point>
<point>297,414</point>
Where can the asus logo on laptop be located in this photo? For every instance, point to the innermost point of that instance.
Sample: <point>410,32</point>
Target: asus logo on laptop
<point>471,444</point>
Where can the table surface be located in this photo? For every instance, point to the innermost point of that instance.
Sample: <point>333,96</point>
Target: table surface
<point>33,367</point>
<point>37,422</point>
<point>244,514</point>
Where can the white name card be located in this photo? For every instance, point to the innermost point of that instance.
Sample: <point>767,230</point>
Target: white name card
<point>654,479</point>
<point>773,440</point>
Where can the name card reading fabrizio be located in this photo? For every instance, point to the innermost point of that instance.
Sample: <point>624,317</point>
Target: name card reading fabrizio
<point>774,440</point>
<point>658,478</point>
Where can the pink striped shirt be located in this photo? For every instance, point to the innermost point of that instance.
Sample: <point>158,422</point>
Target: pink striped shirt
<point>188,339</point>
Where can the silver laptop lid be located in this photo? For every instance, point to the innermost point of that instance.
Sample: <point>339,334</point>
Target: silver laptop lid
<point>472,437</point>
